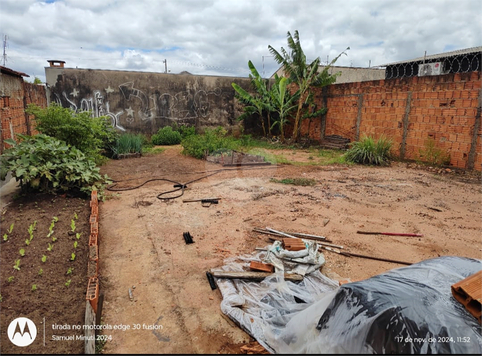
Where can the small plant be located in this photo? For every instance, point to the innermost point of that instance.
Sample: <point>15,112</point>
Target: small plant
<point>55,219</point>
<point>5,237</point>
<point>40,271</point>
<point>1,298</point>
<point>27,242</point>
<point>72,225</point>
<point>75,215</point>
<point>75,244</point>
<point>433,155</point>
<point>369,151</point>
<point>54,239</point>
<point>72,257</point>
<point>68,283</point>
<point>17,265</point>
<point>10,229</point>
<point>70,270</point>
<point>50,248</point>
<point>44,258</point>
<point>10,279</point>
<point>22,252</point>
<point>34,287</point>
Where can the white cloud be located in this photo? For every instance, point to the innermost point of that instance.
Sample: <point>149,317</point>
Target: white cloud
<point>218,37</point>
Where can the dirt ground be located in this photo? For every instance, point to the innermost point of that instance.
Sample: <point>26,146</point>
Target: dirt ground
<point>174,310</point>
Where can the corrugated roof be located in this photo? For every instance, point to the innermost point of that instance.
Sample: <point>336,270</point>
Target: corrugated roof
<point>439,55</point>
<point>12,72</point>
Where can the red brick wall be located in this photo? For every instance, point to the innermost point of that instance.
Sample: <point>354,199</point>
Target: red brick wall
<point>16,96</point>
<point>445,108</point>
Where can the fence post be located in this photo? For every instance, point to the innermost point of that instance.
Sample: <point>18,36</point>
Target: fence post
<point>405,125</point>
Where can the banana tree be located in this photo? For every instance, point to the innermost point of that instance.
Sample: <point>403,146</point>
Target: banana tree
<point>258,103</point>
<point>283,102</point>
<point>304,75</point>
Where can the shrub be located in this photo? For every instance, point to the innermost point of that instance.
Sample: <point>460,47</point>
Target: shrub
<point>91,135</point>
<point>46,164</point>
<point>433,155</point>
<point>166,136</point>
<point>369,151</point>
<point>184,130</point>
<point>213,140</point>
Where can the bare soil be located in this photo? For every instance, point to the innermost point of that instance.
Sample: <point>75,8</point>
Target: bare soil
<point>174,310</point>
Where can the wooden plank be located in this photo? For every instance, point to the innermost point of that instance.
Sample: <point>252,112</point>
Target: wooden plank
<point>253,275</point>
<point>89,342</point>
<point>260,266</point>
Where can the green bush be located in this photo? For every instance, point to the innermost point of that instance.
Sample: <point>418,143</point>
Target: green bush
<point>369,151</point>
<point>213,140</point>
<point>92,135</point>
<point>184,130</point>
<point>46,164</point>
<point>128,143</point>
<point>433,155</point>
<point>166,136</point>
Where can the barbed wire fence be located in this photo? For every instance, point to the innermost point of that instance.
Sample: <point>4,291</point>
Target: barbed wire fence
<point>470,62</point>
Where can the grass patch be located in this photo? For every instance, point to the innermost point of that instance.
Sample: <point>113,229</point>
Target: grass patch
<point>304,182</point>
<point>152,150</point>
<point>128,143</point>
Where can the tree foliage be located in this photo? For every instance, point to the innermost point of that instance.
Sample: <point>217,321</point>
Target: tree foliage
<point>91,135</point>
<point>304,75</point>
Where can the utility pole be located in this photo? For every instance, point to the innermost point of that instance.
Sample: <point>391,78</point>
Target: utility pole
<point>4,50</point>
<point>165,65</point>
<point>262,57</point>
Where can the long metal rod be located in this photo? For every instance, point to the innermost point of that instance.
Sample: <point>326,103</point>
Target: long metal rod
<point>388,233</point>
<point>325,242</point>
<point>350,254</point>
<point>307,235</point>
<point>318,242</point>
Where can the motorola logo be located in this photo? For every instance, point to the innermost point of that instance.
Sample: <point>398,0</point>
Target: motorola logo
<point>22,332</point>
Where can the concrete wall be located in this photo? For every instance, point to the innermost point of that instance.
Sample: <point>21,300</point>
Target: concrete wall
<point>15,95</point>
<point>351,74</point>
<point>144,102</point>
<point>446,108</point>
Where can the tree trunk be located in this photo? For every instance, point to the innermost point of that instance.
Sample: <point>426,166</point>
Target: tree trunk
<point>297,120</point>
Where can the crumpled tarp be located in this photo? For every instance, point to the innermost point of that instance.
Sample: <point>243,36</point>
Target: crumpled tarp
<point>408,310</point>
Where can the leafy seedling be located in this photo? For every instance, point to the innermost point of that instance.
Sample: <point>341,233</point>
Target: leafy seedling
<point>17,265</point>
<point>10,279</point>
<point>5,237</point>
<point>27,242</point>
<point>75,216</point>
<point>50,248</point>
<point>54,239</point>
<point>72,257</point>
<point>75,244</point>
<point>40,271</point>
<point>44,258</point>
<point>72,225</point>
<point>34,287</point>
<point>55,219</point>
<point>22,252</point>
<point>70,270</point>
<point>68,283</point>
<point>77,235</point>
<point>10,229</point>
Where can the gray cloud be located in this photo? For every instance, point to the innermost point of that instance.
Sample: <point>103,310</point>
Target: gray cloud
<point>219,37</point>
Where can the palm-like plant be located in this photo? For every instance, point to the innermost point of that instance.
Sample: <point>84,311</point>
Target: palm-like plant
<point>283,102</point>
<point>303,74</point>
<point>258,103</point>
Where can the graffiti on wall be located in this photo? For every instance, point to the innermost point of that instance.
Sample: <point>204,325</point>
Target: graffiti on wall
<point>182,106</point>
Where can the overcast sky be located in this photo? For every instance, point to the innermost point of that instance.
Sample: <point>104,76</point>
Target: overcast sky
<point>218,37</point>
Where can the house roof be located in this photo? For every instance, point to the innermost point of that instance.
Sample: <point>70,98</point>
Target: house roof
<point>439,55</point>
<point>6,70</point>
